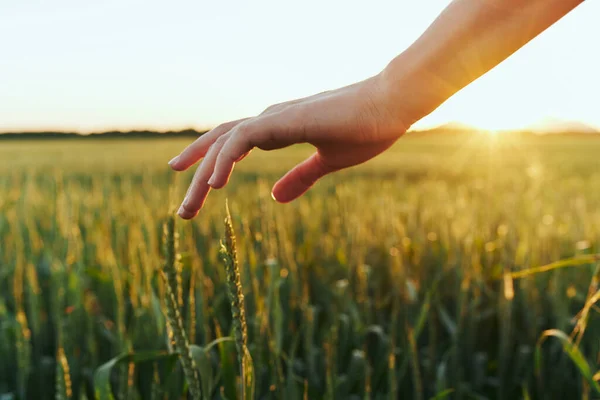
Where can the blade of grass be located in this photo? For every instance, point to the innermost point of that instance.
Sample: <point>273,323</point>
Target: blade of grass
<point>102,375</point>
<point>569,262</point>
<point>572,351</point>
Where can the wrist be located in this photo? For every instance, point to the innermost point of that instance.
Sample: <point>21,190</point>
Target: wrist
<point>414,89</point>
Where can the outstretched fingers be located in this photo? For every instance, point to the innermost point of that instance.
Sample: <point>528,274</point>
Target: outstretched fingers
<point>268,132</point>
<point>198,149</point>
<point>228,144</point>
<point>234,150</point>
<point>301,178</point>
<point>199,188</point>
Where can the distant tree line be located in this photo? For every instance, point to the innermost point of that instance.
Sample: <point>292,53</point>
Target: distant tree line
<point>187,133</point>
<point>192,133</point>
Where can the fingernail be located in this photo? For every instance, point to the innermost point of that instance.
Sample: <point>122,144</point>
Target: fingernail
<point>183,213</point>
<point>173,160</point>
<point>211,180</point>
<point>273,196</point>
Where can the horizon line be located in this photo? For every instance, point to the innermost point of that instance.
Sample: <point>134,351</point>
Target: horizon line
<point>190,131</point>
<point>545,125</point>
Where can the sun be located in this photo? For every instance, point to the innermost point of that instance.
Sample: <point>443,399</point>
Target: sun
<point>490,132</point>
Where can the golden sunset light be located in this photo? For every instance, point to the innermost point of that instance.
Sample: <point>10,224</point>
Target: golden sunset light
<point>132,64</point>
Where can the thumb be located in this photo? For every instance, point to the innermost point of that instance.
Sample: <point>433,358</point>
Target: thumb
<point>300,178</point>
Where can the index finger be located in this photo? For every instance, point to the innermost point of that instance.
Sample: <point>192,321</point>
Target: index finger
<point>197,149</point>
<point>268,132</point>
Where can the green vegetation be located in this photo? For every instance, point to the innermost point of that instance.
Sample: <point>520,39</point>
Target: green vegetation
<point>408,277</point>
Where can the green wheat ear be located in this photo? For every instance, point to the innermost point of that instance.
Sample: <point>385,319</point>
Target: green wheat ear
<point>63,376</point>
<point>170,276</point>
<point>236,296</point>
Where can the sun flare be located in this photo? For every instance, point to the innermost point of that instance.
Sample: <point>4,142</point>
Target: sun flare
<point>491,132</point>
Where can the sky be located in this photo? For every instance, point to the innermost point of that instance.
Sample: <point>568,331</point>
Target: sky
<point>130,64</point>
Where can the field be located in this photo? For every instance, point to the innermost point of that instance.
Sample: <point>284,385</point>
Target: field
<point>413,276</point>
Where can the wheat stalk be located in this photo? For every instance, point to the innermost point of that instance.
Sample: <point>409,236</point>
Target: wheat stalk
<point>182,344</point>
<point>63,376</point>
<point>236,296</point>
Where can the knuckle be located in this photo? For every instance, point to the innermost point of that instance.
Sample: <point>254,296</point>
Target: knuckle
<point>268,109</point>
<point>221,128</point>
<point>225,126</point>
<point>244,129</point>
<point>221,140</point>
<point>227,155</point>
<point>230,157</point>
<point>273,107</point>
<point>239,145</point>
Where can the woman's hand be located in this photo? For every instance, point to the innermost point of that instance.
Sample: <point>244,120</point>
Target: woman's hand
<point>348,126</point>
<point>351,125</point>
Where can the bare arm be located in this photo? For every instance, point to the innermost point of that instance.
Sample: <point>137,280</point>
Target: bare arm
<point>351,125</point>
<point>469,38</point>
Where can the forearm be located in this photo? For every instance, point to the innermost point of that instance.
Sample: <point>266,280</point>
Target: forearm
<point>467,40</point>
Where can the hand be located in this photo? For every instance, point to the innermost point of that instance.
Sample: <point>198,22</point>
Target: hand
<point>348,126</point>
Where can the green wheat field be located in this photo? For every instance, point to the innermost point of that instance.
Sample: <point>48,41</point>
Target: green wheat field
<point>458,266</point>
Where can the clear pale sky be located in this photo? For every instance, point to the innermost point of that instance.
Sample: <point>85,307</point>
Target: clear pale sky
<point>124,64</point>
